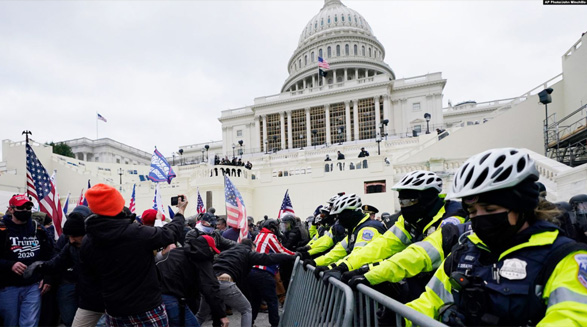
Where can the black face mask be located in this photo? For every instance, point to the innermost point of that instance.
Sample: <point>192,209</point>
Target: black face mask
<point>22,215</point>
<point>495,231</point>
<point>349,219</point>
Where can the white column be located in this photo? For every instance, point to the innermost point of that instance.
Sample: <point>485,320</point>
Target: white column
<point>304,83</point>
<point>313,80</point>
<point>334,76</point>
<point>377,116</point>
<point>289,128</point>
<point>257,133</point>
<point>264,133</point>
<point>282,129</point>
<point>386,112</point>
<point>308,128</point>
<point>327,117</point>
<point>85,156</point>
<point>347,115</point>
<point>356,73</point>
<point>356,118</point>
<point>346,75</point>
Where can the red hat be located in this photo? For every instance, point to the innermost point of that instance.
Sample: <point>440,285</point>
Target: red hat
<point>211,243</point>
<point>105,200</point>
<point>19,200</point>
<point>148,217</point>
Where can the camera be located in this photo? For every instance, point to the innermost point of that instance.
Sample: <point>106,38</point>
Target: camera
<point>175,199</point>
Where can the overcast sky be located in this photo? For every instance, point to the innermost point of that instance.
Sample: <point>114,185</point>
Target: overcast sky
<point>161,71</point>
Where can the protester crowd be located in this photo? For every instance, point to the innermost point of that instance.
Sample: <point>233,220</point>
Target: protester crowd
<point>491,252</point>
<point>232,162</point>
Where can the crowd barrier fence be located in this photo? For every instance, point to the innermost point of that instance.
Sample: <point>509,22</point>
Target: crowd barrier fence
<point>311,302</point>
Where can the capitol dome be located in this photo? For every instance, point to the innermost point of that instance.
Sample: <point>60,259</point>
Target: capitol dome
<point>345,40</point>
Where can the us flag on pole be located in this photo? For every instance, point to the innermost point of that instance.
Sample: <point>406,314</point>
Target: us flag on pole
<point>286,206</point>
<point>236,213</point>
<point>200,208</point>
<point>40,186</point>
<point>132,205</point>
<point>100,117</point>
<point>323,63</point>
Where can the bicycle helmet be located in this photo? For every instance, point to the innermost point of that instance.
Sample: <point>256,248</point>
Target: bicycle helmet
<point>492,170</point>
<point>346,202</point>
<point>419,180</point>
<point>271,224</point>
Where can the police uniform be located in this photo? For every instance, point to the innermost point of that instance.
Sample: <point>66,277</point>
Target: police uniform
<point>398,238</point>
<point>325,242</point>
<point>510,290</point>
<point>361,235</point>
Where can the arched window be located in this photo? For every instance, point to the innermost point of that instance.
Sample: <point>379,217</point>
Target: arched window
<point>350,20</point>
<point>363,50</point>
<point>322,22</point>
<point>328,19</point>
<point>346,49</point>
<point>336,18</point>
<point>356,19</point>
<point>305,60</point>
<point>320,53</point>
<point>369,52</point>
<point>300,62</point>
<point>328,52</point>
<point>355,50</point>
<point>312,56</point>
<point>342,17</point>
<point>316,25</point>
<point>338,50</point>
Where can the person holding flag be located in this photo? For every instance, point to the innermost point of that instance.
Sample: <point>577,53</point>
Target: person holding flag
<point>236,212</point>
<point>200,207</point>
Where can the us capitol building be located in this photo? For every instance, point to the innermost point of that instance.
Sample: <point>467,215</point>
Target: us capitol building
<point>359,103</point>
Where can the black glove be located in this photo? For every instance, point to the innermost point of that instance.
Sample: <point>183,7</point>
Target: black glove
<point>303,254</point>
<point>346,276</point>
<point>304,248</point>
<point>318,270</point>
<point>310,262</point>
<point>358,279</point>
<point>28,272</point>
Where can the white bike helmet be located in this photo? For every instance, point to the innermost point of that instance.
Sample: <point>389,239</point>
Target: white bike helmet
<point>346,202</point>
<point>419,180</point>
<point>492,170</point>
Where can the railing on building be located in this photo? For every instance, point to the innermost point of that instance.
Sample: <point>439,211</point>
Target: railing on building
<point>312,302</point>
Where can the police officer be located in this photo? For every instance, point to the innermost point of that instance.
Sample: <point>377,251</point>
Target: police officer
<point>332,232</point>
<point>360,231</point>
<point>516,268</point>
<point>579,216</point>
<point>423,211</point>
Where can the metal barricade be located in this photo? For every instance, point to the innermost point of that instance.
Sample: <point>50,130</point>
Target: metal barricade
<point>368,301</point>
<point>310,302</point>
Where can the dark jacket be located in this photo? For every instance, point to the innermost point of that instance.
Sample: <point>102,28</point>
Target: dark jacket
<point>296,237</point>
<point>24,243</point>
<point>187,272</point>
<point>67,263</point>
<point>222,243</point>
<point>119,255</point>
<point>238,261</point>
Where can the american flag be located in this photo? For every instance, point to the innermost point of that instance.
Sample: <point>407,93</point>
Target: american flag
<point>131,206</point>
<point>200,208</point>
<point>286,206</point>
<point>100,117</point>
<point>81,199</point>
<point>323,63</point>
<point>236,213</point>
<point>41,187</point>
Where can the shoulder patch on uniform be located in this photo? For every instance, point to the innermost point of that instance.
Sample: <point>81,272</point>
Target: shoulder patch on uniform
<point>368,235</point>
<point>513,269</point>
<point>582,262</point>
<point>450,220</point>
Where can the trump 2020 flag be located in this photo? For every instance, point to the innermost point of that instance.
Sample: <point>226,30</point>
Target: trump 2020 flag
<point>41,187</point>
<point>161,170</point>
<point>132,204</point>
<point>236,213</point>
<point>200,208</point>
<point>286,206</point>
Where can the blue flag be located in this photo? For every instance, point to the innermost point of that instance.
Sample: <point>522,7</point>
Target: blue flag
<point>161,170</point>
<point>86,200</point>
<point>171,213</point>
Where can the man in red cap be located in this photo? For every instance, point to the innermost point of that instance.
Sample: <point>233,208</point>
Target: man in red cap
<point>119,254</point>
<point>22,242</point>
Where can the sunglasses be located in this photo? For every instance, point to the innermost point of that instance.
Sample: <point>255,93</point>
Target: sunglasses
<point>27,206</point>
<point>408,202</point>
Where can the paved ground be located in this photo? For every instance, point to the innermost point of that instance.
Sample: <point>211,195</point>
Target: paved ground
<point>235,320</point>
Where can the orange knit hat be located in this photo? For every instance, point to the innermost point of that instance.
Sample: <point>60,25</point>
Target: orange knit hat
<point>104,200</point>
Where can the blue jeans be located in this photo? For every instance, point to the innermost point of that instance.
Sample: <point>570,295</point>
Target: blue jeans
<point>172,307</point>
<point>67,301</point>
<point>20,305</point>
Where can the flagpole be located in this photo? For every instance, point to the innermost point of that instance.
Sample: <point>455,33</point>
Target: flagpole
<point>96,125</point>
<point>225,208</point>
